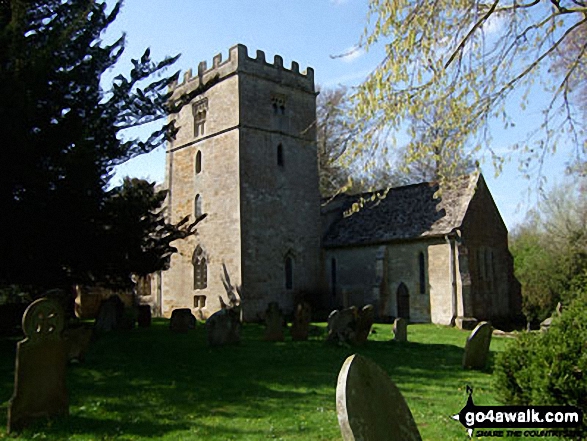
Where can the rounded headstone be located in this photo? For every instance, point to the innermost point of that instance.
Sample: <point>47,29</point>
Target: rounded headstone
<point>43,319</point>
<point>477,347</point>
<point>369,405</point>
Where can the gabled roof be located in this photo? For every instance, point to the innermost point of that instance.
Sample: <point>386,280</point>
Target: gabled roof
<point>406,213</point>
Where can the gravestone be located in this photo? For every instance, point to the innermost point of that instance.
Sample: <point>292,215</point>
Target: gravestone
<point>223,327</point>
<point>110,315</point>
<point>477,347</point>
<point>342,325</point>
<point>182,320</point>
<point>300,327</point>
<point>41,360</point>
<point>364,323</point>
<point>400,329</point>
<point>350,325</point>
<point>545,325</point>
<point>369,405</point>
<point>144,316</point>
<point>274,323</point>
<point>77,341</point>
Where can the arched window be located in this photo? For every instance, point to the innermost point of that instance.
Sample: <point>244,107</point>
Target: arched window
<point>422,268</point>
<point>403,301</point>
<point>280,155</point>
<point>198,206</point>
<point>288,264</point>
<point>199,111</point>
<point>198,162</point>
<point>200,269</point>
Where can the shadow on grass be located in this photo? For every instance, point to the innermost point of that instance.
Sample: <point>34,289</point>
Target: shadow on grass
<point>149,382</point>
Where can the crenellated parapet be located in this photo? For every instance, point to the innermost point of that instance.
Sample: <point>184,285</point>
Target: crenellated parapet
<point>239,62</point>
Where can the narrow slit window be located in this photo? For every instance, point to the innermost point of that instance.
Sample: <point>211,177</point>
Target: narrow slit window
<point>280,155</point>
<point>289,272</point>
<point>422,268</point>
<point>198,162</point>
<point>198,206</point>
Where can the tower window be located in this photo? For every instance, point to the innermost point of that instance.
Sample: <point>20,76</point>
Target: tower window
<point>200,269</point>
<point>198,162</point>
<point>200,111</point>
<point>278,103</point>
<point>288,271</point>
<point>280,155</point>
<point>199,302</point>
<point>198,206</point>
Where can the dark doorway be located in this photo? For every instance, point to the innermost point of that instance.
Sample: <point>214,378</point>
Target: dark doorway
<point>403,301</point>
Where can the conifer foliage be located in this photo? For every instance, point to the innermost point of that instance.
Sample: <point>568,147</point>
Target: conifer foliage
<point>60,136</point>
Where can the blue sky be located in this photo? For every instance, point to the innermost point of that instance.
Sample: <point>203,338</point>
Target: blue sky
<point>310,32</point>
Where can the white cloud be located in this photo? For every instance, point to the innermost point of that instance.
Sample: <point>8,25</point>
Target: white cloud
<point>338,2</point>
<point>351,54</point>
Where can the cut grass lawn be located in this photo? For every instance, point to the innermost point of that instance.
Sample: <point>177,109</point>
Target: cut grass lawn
<point>152,384</point>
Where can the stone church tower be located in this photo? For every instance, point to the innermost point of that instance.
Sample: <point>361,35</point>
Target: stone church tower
<point>245,154</point>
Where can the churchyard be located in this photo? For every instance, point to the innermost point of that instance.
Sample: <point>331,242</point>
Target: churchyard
<point>151,383</point>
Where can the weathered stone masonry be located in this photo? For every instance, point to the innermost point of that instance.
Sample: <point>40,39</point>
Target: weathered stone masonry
<point>245,155</point>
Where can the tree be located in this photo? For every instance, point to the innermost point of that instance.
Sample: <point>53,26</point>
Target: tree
<point>546,369</point>
<point>550,251</point>
<point>61,134</point>
<point>568,58</point>
<point>136,238</point>
<point>462,60</point>
<point>334,135</point>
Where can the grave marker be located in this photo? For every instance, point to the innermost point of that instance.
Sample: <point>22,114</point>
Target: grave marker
<point>274,323</point>
<point>369,405</point>
<point>477,347</point>
<point>400,329</point>
<point>300,327</point>
<point>41,361</point>
<point>182,320</point>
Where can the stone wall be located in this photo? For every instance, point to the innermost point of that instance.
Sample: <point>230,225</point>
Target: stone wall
<point>355,277</point>
<point>404,267</point>
<point>217,183</point>
<point>280,199</point>
<point>494,291</point>
<point>260,209</point>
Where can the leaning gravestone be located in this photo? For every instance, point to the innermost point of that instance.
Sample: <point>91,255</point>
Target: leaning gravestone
<point>300,327</point>
<point>342,325</point>
<point>110,315</point>
<point>400,329</point>
<point>364,323</point>
<point>477,347</point>
<point>223,327</point>
<point>369,405</point>
<point>41,360</point>
<point>182,320</point>
<point>274,323</point>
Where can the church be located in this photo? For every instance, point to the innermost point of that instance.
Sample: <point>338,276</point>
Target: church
<point>245,155</point>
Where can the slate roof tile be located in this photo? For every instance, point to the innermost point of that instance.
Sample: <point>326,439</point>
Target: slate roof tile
<point>406,213</point>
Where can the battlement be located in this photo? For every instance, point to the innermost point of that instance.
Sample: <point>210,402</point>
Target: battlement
<point>239,62</point>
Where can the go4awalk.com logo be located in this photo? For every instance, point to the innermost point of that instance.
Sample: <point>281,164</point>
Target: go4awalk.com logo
<point>517,421</point>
